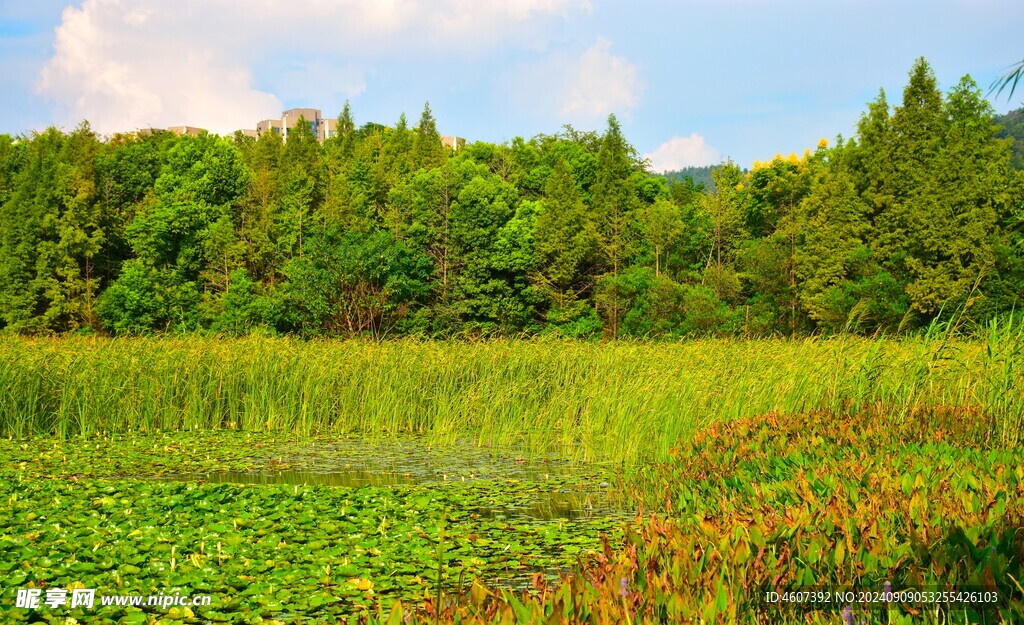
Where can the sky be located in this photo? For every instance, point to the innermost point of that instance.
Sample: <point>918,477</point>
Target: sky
<point>691,82</point>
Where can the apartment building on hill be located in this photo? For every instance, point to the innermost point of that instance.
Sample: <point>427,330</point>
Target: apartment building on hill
<point>185,130</point>
<point>453,143</point>
<point>323,127</point>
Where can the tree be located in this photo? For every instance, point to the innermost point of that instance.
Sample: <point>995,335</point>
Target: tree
<point>662,225</point>
<point>723,213</point>
<point>776,189</point>
<point>394,164</point>
<point>567,238</point>
<point>613,198</point>
<point>302,182</point>
<point>185,225</point>
<point>351,285</point>
<point>903,160</point>
<point>422,214</point>
<point>1012,130</point>
<point>956,237</point>
<point>836,229</point>
<point>144,299</point>
<point>126,173</point>
<point>943,171</point>
<point>484,288</point>
<point>346,133</point>
<point>259,207</point>
<point>427,149</point>
<point>72,286</point>
<point>343,205</point>
<point>51,235</point>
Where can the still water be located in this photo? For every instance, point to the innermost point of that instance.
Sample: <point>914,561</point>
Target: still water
<point>563,491</point>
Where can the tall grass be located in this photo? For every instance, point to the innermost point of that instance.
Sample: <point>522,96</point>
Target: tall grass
<point>624,401</point>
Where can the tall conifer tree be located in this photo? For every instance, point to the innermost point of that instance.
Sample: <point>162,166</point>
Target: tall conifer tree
<point>613,198</point>
<point>427,150</point>
<point>566,241</point>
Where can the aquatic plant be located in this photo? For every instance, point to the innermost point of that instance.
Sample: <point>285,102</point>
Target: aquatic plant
<point>623,402</point>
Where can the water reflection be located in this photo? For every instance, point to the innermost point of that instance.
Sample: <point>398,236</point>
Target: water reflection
<point>569,506</point>
<point>546,488</point>
<point>352,478</point>
<point>585,503</point>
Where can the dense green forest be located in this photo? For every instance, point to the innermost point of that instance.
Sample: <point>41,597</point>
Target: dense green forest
<point>1012,128</point>
<point>701,176</point>
<point>381,231</point>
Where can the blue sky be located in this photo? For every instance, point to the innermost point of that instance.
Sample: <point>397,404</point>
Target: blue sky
<point>691,82</point>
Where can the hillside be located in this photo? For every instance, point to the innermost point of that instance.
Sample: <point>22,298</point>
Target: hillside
<point>1013,128</point>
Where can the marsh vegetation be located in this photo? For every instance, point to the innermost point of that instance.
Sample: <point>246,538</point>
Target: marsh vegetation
<point>347,478</point>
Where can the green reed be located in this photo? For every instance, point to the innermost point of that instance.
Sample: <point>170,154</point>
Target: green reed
<point>622,401</point>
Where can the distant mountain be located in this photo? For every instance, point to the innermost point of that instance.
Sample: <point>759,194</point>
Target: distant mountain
<point>699,175</point>
<point>1013,128</point>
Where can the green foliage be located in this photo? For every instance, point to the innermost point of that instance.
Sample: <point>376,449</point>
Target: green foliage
<point>567,241</point>
<point>325,552</point>
<point>696,176</point>
<point>1012,129</point>
<point>351,285</point>
<point>613,200</point>
<point>659,307</point>
<point>242,308</point>
<point>940,185</point>
<point>51,234</point>
<point>721,215</point>
<point>427,151</point>
<point>203,169</point>
<point>836,222</point>
<point>919,215</point>
<point>661,225</point>
<point>1009,79</point>
<point>144,299</point>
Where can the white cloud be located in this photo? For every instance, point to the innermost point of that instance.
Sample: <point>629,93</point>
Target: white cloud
<point>124,64</point>
<point>599,84</point>
<point>680,152</point>
<point>577,87</point>
<point>115,69</point>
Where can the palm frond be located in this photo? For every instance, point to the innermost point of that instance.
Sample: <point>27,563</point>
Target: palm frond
<point>1009,79</point>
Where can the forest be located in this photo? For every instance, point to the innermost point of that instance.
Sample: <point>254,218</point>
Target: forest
<point>381,231</point>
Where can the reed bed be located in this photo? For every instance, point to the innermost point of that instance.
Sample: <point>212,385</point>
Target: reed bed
<point>625,402</point>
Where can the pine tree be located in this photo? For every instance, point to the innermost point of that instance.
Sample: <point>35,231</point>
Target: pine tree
<point>346,132</point>
<point>427,150</point>
<point>937,173</point>
<point>394,164</point>
<point>566,241</point>
<point>71,286</point>
<point>907,167</point>
<point>30,210</point>
<point>955,223</point>
<point>613,198</point>
<point>50,236</point>
<point>835,225</point>
<point>302,176</point>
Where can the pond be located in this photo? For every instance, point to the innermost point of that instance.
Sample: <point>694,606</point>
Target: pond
<point>560,490</point>
<point>313,528</point>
